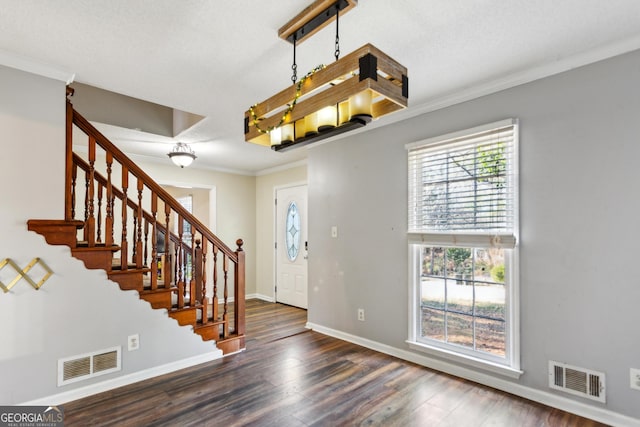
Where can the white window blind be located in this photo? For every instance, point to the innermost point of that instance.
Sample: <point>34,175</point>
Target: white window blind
<point>465,183</point>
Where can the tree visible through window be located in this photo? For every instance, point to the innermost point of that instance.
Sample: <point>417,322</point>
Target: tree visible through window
<point>462,297</point>
<point>462,225</point>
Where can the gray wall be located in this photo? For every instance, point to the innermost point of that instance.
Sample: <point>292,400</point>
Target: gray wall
<point>77,310</point>
<point>103,106</point>
<point>579,149</point>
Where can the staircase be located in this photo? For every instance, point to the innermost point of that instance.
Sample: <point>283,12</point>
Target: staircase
<point>146,242</point>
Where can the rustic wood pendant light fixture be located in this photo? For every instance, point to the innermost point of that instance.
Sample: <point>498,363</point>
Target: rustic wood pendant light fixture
<point>329,100</point>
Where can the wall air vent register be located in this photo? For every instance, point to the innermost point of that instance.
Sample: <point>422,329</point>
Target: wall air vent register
<point>89,365</point>
<point>577,381</point>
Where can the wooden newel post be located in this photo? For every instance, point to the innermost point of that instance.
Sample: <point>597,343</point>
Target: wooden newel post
<point>239,290</point>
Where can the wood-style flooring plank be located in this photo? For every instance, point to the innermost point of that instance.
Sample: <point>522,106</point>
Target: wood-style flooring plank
<point>290,376</point>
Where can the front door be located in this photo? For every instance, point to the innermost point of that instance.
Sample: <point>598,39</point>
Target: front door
<point>291,246</point>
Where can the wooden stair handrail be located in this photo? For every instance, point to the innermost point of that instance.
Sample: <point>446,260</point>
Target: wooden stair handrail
<point>189,268</point>
<point>136,171</point>
<point>130,203</point>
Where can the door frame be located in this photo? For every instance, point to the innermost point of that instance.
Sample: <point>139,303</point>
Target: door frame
<point>274,239</point>
<point>213,203</point>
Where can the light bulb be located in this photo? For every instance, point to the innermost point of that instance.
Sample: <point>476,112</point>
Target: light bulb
<point>300,128</point>
<point>311,124</point>
<point>276,136</point>
<point>286,135</point>
<point>327,118</point>
<point>360,105</point>
<point>343,112</point>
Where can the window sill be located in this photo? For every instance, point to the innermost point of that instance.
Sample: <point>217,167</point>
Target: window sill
<point>467,360</point>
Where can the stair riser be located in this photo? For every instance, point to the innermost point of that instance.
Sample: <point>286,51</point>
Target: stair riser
<point>209,332</point>
<point>184,317</point>
<point>128,281</point>
<point>231,345</point>
<point>95,259</point>
<point>56,232</point>
<point>158,299</point>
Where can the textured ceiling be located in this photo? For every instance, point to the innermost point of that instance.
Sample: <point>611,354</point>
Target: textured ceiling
<point>217,58</point>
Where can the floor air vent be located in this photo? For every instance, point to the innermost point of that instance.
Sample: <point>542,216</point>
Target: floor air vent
<point>90,365</point>
<point>577,381</point>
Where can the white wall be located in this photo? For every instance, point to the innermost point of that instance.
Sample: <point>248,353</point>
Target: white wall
<point>201,205</point>
<point>265,223</point>
<point>579,151</point>
<point>77,310</point>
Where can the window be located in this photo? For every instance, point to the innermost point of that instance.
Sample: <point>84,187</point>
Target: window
<point>462,234</point>
<point>187,203</point>
<point>292,231</point>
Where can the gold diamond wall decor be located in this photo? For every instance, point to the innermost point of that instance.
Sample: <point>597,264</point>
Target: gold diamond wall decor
<point>23,273</point>
<point>3,263</point>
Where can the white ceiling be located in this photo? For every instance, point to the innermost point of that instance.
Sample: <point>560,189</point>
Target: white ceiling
<point>217,58</point>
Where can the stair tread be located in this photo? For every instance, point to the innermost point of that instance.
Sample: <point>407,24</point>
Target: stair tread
<point>176,309</point>
<point>159,290</point>
<point>130,270</point>
<point>209,324</point>
<point>84,243</point>
<point>117,263</point>
<point>79,248</point>
<point>56,223</point>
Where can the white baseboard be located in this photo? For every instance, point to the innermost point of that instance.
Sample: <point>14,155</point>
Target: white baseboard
<point>575,407</point>
<point>262,297</point>
<point>252,296</point>
<point>79,393</point>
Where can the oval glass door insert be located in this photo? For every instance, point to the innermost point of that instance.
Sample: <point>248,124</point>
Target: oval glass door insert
<point>292,237</point>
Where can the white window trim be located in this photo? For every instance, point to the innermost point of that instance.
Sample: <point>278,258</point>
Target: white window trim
<point>447,138</point>
<point>510,367</point>
<point>464,359</point>
<point>468,240</point>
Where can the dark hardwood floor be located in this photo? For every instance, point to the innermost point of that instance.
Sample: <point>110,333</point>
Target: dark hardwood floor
<point>289,376</point>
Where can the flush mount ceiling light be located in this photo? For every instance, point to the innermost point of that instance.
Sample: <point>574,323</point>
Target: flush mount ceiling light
<point>329,100</point>
<point>182,155</point>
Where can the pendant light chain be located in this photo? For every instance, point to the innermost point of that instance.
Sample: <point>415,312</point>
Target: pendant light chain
<point>294,66</point>
<point>337,51</point>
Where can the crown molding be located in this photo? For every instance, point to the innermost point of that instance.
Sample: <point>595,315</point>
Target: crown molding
<point>281,168</point>
<point>23,63</point>
<point>508,81</point>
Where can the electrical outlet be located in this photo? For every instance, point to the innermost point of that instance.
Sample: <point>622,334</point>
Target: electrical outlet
<point>634,378</point>
<point>133,342</point>
<point>361,314</point>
